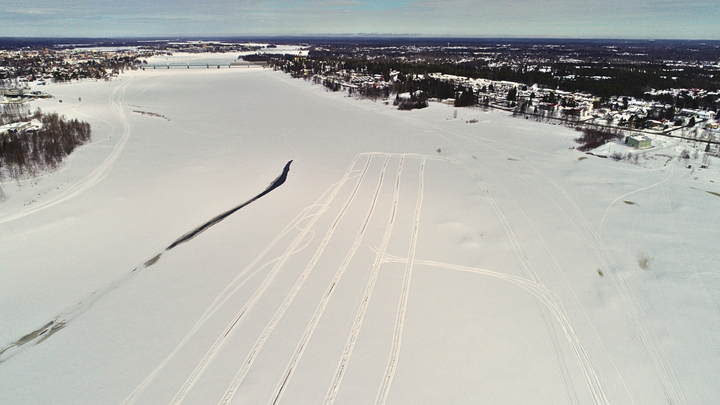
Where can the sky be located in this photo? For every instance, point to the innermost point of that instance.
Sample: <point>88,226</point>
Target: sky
<point>641,19</point>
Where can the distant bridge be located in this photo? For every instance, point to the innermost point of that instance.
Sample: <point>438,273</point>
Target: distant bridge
<point>207,65</point>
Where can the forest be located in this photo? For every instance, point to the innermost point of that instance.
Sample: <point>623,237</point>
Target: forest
<point>588,68</point>
<point>42,147</point>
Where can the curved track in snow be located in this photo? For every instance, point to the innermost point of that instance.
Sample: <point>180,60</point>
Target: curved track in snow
<point>653,347</point>
<point>116,99</point>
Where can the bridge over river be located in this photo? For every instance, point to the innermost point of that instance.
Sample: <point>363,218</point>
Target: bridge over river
<point>206,65</point>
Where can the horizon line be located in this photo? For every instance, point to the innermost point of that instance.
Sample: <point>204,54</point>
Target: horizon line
<point>351,35</point>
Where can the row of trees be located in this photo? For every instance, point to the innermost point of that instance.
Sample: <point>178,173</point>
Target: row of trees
<point>32,151</point>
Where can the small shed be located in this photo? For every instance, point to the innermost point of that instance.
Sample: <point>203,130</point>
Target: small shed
<point>638,141</point>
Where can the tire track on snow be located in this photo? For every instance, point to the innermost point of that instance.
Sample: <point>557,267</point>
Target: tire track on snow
<point>355,331</point>
<point>221,299</point>
<point>400,323</point>
<point>247,364</point>
<point>300,350</point>
<point>212,352</point>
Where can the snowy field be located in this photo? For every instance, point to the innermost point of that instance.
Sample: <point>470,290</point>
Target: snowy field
<point>409,257</point>
<point>180,59</point>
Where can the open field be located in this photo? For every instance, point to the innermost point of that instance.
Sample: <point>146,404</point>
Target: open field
<point>409,257</point>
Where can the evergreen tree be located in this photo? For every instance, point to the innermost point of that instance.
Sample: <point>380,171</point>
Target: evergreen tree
<point>512,94</point>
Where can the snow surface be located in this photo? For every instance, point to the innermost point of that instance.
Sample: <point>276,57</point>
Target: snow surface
<point>178,59</point>
<point>409,258</point>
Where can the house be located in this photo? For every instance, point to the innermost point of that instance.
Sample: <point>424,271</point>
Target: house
<point>12,91</point>
<point>14,128</point>
<point>638,141</point>
<point>657,125</point>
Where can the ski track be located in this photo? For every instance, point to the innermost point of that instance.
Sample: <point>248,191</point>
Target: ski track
<point>212,352</point>
<point>607,210</point>
<point>300,350</point>
<point>585,233</point>
<point>544,295</point>
<point>666,375</point>
<point>597,392</point>
<point>665,372</point>
<point>667,378</point>
<point>591,375</point>
<point>669,194</point>
<point>589,372</point>
<point>116,99</point>
<point>550,305</point>
<point>549,302</point>
<point>400,322</point>
<point>247,364</point>
<point>355,331</point>
<point>219,301</point>
<point>527,267</point>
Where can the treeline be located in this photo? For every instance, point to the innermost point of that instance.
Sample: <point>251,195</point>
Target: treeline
<point>593,137</point>
<point>255,58</point>
<point>28,152</point>
<point>42,66</point>
<point>10,113</point>
<point>381,67</point>
<point>603,80</point>
<point>97,69</point>
<point>419,90</point>
<point>686,100</point>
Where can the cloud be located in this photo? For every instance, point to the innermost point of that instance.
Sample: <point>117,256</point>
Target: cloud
<point>541,18</point>
<point>31,12</point>
<point>330,6</point>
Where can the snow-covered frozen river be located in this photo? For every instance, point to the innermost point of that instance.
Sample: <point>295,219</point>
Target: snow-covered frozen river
<point>409,257</point>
